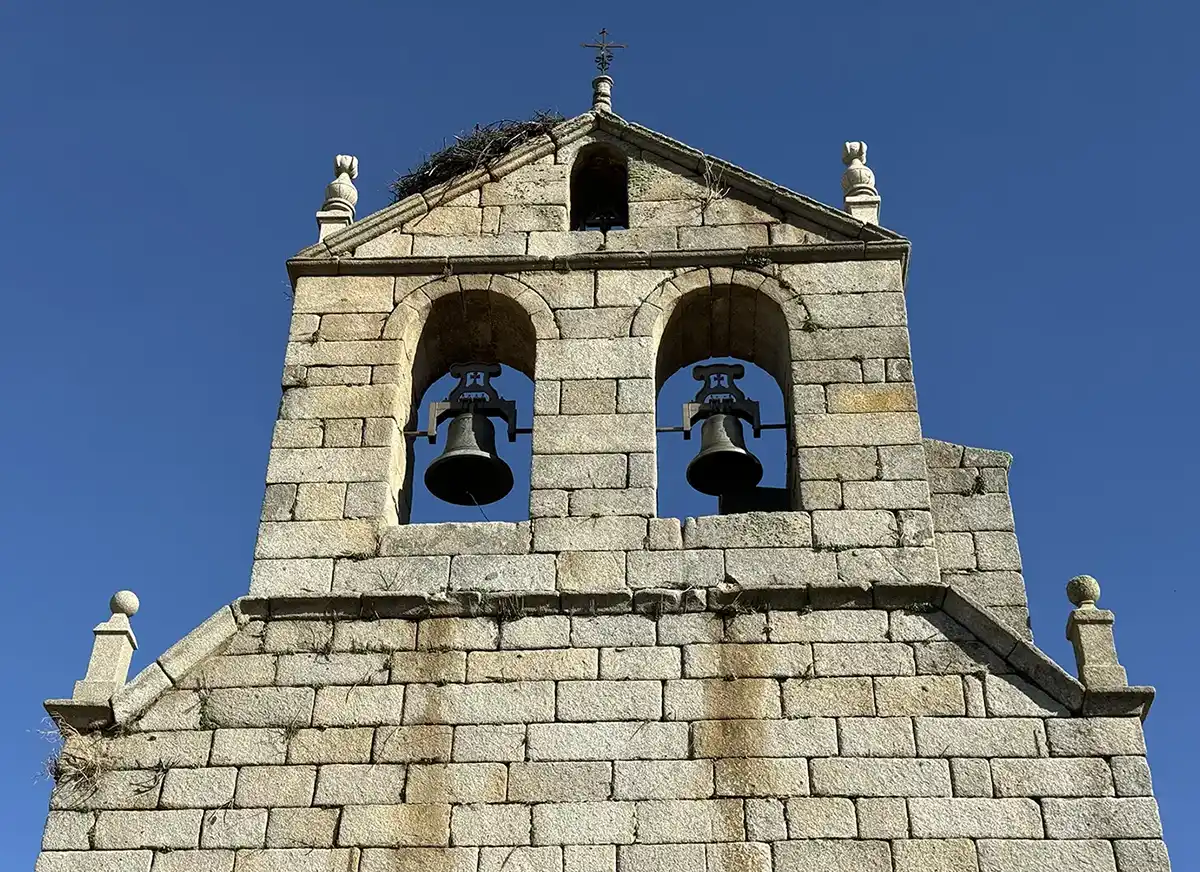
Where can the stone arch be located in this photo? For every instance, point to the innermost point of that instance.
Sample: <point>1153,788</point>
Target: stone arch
<point>729,313</point>
<point>454,319</point>
<point>722,312</point>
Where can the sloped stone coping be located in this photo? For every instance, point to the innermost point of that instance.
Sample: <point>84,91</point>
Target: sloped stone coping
<point>738,179</point>
<point>1025,659</point>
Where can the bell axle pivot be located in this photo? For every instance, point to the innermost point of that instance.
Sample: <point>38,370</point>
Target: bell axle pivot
<point>469,471</point>
<point>723,465</point>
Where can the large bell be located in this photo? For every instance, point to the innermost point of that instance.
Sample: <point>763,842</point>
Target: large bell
<point>469,472</point>
<point>723,464</point>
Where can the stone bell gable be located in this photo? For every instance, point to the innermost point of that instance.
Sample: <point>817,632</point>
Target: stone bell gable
<point>838,674</point>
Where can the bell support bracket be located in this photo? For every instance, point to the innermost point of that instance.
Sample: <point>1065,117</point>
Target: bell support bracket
<point>719,394</point>
<point>473,393</point>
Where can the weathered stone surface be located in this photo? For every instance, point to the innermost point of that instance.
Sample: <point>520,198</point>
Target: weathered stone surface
<point>560,782</point>
<point>602,631</point>
<point>611,501</point>
<point>291,576</point>
<point>94,861</point>
<point>821,818</point>
<point>975,818</point>
<point>921,695</point>
<point>1095,737</point>
<point>389,825</point>
<point>631,740</point>
<point>1142,855</point>
<point>749,530</point>
<point>355,538</point>
<point>839,854</point>
<point>1103,818</point>
<point>880,777</point>
<point>273,786</point>
<point>355,705</point>
<point>862,658</point>
<point>837,464</point>
<point>198,788</point>
<point>301,827</point>
<point>640,662</point>
<point>383,634</point>
<point>331,745</point>
<point>359,784</point>
<point>980,737</point>
<point>833,625</point>
<point>855,398</point>
<point>591,571</point>
<point>765,738</point>
<point>690,820</point>
<point>697,699</point>
<point>609,700</point>
<point>974,512</point>
<point>324,294</point>
<point>525,572</point>
<point>828,697</point>
<point>882,817</point>
<point>589,534</point>
<point>746,661</point>
<point>583,823</point>
<point>416,575</point>
<point>1052,777</point>
<point>541,665</point>
<point>780,567</point>
<point>971,777</point>
<point>1131,775</point>
<point>864,428</point>
<point>592,434</point>
<point>855,529</point>
<point>458,634</point>
<point>454,538</point>
<point>876,737</point>
<point>113,789</point>
<point>762,776</point>
<point>241,747</point>
<point>419,744</point>
<point>479,703</point>
<point>936,855</point>
<point>1017,855</point>
<point>125,830</point>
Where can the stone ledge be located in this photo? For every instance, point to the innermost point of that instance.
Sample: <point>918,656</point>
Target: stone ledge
<point>826,252</point>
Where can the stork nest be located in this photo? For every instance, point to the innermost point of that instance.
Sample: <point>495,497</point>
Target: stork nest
<point>472,151</point>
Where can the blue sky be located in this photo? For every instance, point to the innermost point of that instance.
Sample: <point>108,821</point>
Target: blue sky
<point>161,161</point>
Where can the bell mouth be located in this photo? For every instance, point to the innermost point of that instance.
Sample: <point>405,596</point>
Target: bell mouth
<point>469,477</point>
<point>724,472</point>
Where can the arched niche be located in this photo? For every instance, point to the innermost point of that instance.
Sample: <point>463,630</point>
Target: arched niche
<point>599,189</point>
<point>459,326</point>
<point>718,323</point>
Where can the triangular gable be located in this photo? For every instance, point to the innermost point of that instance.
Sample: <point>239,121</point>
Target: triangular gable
<point>805,219</point>
<point>965,635</point>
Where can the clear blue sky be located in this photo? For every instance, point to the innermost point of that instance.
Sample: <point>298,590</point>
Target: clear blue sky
<point>161,161</point>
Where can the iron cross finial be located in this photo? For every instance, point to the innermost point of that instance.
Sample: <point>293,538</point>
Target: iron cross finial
<point>604,55</point>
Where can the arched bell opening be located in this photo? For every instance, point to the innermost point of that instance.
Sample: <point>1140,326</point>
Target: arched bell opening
<point>723,377</point>
<point>472,379</point>
<point>599,189</point>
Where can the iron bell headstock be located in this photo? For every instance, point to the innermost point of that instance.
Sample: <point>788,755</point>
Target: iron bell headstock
<point>473,393</point>
<point>720,394</point>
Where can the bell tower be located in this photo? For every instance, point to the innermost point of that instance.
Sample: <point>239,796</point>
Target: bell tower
<point>598,258</point>
<point>836,673</point>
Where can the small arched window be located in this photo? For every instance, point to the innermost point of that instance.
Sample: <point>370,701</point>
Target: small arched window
<point>599,189</point>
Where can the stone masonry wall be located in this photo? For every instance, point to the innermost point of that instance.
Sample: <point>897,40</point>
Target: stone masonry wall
<point>850,739</point>
<point>974,530</point>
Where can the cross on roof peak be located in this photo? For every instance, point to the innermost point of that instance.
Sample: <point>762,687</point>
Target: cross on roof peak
<point>604,55</point>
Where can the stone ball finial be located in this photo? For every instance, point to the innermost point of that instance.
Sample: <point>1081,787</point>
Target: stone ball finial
<point>1083,591</point>
<point>340,194</point>
<point>124,602</point>
<point>858,177</point>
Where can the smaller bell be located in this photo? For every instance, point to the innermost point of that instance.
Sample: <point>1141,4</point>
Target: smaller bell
<point>723,464</point>
<point>469,472</point>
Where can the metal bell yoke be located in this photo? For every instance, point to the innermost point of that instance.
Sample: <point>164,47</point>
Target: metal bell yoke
<point>469,471</point>
<point>723,465</point>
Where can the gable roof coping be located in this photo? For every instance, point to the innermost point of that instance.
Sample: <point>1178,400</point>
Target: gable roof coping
<point>568,131</point>
<point>1026,659</point>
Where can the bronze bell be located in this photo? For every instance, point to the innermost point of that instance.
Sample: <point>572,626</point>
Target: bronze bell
<point>469,472</point>
<point>723,464</point>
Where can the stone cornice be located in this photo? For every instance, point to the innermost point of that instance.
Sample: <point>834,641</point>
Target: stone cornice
<point>829,252</point>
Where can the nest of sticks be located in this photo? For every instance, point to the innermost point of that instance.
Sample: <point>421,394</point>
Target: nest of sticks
<point>472,151</point>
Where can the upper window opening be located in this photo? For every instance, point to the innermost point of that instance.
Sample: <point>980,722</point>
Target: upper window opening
<point>599,190</point>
